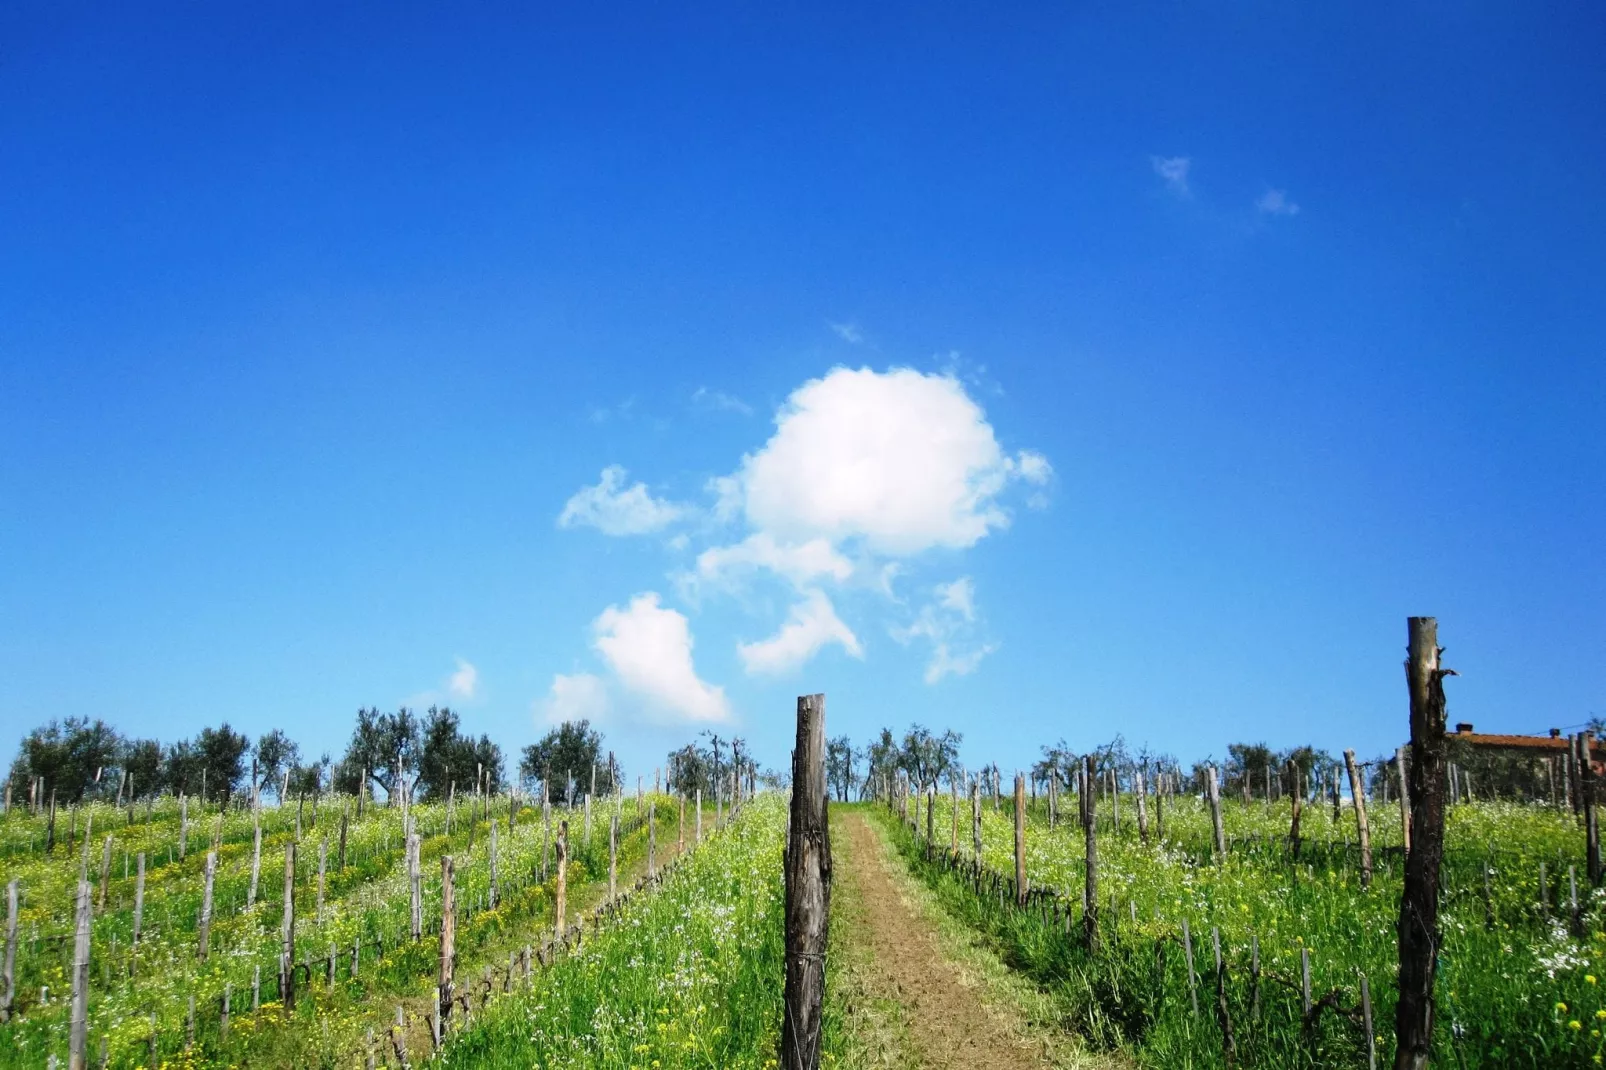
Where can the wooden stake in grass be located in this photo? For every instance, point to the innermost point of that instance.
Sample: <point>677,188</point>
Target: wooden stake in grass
<point>561,895</point>
<point>1213,788</point>
<point>139,897</point>
<point>1419,900</point>
<point>105,869</point>
<point>415,882</point>
<point>1090,890</point>
<point>1358,795</point>
<point>1143,809</point>
<point>697,834</point>
<point>652,840</point>
<point>1405,801</point>
<point>8,973</point>
<point>613,857</point>
<point>493,866</point>
<point>1587,789</point>
<point>206,905</point>
<point>975,821</point>
<point>287,936</point>
<point>808,891</point>
<point>1020,839</point>
<point>256,861</point>
<point>78,1050</point>
<point>448,958</point>
<point>953,837</point>
<point>343,815</point>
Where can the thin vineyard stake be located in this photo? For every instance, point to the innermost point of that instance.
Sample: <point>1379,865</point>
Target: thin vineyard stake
<point>323,860</point>
<point>448,954</point>
<point>953,836</point>
<point>1405,801</point>
<point>206,906</point>
<point>1366,1023</point>
<point>1143,809</point>
<point>492,892</point>
<point>8,976</point>
<point>1419,901</point>
<point>1193,980</point>
<point>78,1051</point>
<point>1358,797</point>
<point>561,895</point>
<point>139,897</point>
<point>1587,784</point>
<point>808,891</point>
<point>975,820</point>
<point>1229,1046</point>
<point>105,870</point>
<point>1297,804</point>
<point>652,838</point>
<point>1213,787</point>
<point>287,975</point>
<point>415,881</point>
<point>256,862</point>
<point>1304,980</point>
<point>1020,839</point>
<point>613,857</point>
<point>1090,891</point>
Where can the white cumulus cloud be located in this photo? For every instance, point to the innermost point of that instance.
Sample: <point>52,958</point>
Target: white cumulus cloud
<point>649,648</point>
<point>801,563</point>
<point>580,697</point>
<point>465,681</point>
<point>902,460</point>
<point>615,509</point>
<point>811,624</point>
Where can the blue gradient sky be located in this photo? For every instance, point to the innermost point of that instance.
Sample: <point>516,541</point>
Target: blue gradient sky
<point>312,321</point>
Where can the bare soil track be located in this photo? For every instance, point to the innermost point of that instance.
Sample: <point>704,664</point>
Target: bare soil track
<point>949,1023</point>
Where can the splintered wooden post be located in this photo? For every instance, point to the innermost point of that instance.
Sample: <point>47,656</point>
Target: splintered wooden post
<point>931,816</point>
<point>1213,788</point>
<point>1405,801</point>
<point>975,821</point>
<point>287,936</point>
<point>1588,789</point>
<point>105,870</point>
<point>415,873</point>
<point>139,896</point>
<point>1358,794</point>
<point>1090,889</point>
<point>561,895</point>
<point>613,857</point>
<point>443,986</point>
<point>342,866</point>
<point>953,838</point>
<point>1020,839</point>
<point>8,975</point>
<point>1143,807</point>
<point>256,863</point>
<point>652,839</point>
<point>78,1050</point>
<point>1419,900</point>
<point>808,891</point>
<point>206,905</point>
<point>588,807</point>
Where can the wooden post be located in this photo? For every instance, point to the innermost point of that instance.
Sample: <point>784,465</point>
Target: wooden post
<point>139,897</point>
<point>443,987</point>
<point>1020,839</point>
<point>362,791</point>
<point>78,1042</point>
<point>343,816</point>
<point>1143,808</point>
<point>287,951</point>
<point>546,829</point>
<point>183,826</point>
<point>953,838</point>
<point>493,866</point>
<point>697,834</point>
<point>975,820</point>
<point>613,857</point>
<point>323,862</point>
<point>105,869</point>
<point>588,806</point>
<point>1405,801</point>
<point>206,905</point>
<point>681,844</point>
<point>256,861</point>
<point>561,895</point>
<point>1090,892</point>
<point>1297,801</point>
<point>8,974</point>
<point>1419,901</point>
<point>1213,788</point>
<point>1358,796</point>
<point>1587,782</point>
<point>652,838</point>
<point>1159,806</point>
<point>415,881</point>
<point>808,891</point>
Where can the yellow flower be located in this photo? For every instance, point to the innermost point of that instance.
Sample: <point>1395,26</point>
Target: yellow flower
<point>1561,1008</point>
<point>1589,978</point>
<point>1575,1024</point>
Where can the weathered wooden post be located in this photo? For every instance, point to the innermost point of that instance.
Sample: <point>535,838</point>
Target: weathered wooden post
<point>8,976</point>
<point>1090,890</point>
<point>139,899</point>
<point>415,875</point>
<point>1405,801</point>
<point>105,870</point>
<point>975,820</point>
<point>287,952</point>
<point>183,826</point>
<point>1419,900</point>
<point>1143,807</point>
<point>953,837</point>
<point>493,865</point>
<point>1358,794</point>
<point>443,987</point>
<point>323,863</point>
<point>652,838</point>
<point>342,866</point>
<point>1297,803</point>
<point>931,817</point>
<point>561,895</point>
<point>697,834</point>
<point>681,836</point>
<point>256,861</point>
<point>1587,781</point>
<point>78,1043</point>
<point>613,856</point>
<point>1213,789</point>
<point>1020,839</point>
<point>808,891</point>
<point>206,905</point>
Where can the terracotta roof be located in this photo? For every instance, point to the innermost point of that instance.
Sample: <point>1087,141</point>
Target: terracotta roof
<point>1485,739</point>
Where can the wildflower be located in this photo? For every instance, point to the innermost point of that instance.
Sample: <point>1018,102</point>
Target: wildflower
<point>1575,1025</point>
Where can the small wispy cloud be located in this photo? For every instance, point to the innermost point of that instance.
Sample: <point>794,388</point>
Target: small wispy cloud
<point>581,697</point>
<point>465,682</point>
<point>849,333</point>
<point>615,509</point>
<point>719,401</point>
<point>1276,202</point>
<point>1174,169</point>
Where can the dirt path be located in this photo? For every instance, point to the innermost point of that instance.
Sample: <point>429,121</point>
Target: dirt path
<point>945,1016</point>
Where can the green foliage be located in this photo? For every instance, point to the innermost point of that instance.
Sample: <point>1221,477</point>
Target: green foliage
<point>68,755</point>
<point>570,750</point>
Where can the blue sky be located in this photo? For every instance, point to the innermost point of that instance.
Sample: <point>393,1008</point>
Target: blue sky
<point>1032,371</point>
